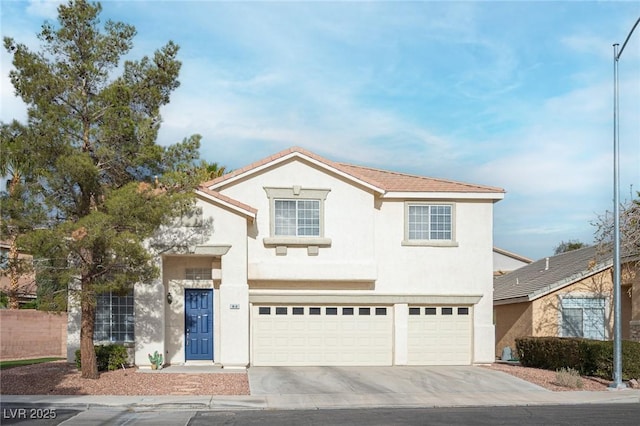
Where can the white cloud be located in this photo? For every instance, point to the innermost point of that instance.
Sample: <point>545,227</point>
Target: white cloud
<point>47,9</point>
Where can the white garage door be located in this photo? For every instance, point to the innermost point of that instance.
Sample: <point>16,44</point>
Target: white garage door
<point>439,335</point>
<point>322,335</point>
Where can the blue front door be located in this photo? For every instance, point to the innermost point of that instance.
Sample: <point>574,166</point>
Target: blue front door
<point>198,322</point>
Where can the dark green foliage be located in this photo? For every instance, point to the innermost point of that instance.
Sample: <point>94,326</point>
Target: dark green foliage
<point>570,245</point>
<point>589,357</point>
<point>95,185</point>
<point>109,357</point>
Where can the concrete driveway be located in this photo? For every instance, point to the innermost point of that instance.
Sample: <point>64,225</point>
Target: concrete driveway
<point>410,386</point>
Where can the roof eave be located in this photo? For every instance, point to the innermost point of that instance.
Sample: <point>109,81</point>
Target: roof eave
<point>409,195</point>
<point>511,300</point>
<point>244,212</point>
<point>306,157</point>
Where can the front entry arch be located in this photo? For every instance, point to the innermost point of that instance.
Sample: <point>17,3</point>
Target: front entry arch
<point>198,322</point>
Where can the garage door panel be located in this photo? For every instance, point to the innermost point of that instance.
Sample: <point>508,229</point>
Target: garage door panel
<point>440,336</point>
<point>319,335</point>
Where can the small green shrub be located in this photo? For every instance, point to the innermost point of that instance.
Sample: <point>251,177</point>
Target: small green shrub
<point>587,357</point>
<point>108,357</point>
<point>569,378</point>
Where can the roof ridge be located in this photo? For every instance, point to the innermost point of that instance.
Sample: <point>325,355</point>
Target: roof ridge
<point>375,169</point>
<point>382,180</point>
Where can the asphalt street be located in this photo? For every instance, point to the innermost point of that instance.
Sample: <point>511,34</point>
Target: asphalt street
<point>591,414</point>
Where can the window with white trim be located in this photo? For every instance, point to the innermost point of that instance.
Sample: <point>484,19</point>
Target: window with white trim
<point>427,222</point>
<point>114,318</point>
<point>583,317</point>
<point>297,218</point>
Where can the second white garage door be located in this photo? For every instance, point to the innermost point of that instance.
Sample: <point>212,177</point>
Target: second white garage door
<point>321,335</point>
<point>439,335</point>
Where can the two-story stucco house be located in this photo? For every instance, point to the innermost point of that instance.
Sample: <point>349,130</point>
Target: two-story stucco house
<point>314,262</point>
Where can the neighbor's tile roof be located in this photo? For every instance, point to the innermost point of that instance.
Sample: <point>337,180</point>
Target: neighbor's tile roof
<point>535,280</point>
<point>383,179</point>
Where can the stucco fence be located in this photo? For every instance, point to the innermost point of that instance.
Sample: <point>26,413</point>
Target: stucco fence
<point>27,333</point>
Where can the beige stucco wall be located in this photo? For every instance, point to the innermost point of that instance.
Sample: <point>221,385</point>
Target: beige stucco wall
<point>366,253</point>
<point>546,310</point>
<point>229,284</point>
<point>348,222</point>
<point>541,316</point>
<point>174,282</point>
<point>512,321</point>
<point>365,256</point>
<point>463,269</point>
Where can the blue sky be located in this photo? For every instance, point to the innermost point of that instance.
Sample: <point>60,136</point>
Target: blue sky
<point>510,94</point>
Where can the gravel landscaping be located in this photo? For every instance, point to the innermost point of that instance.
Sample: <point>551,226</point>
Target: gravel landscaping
<point>547,378</point>
<point>61,378</point>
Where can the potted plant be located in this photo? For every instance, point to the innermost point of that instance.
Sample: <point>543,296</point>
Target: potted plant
<point>156,360</point>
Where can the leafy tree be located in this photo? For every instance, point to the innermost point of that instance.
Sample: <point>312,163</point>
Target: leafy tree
<point>106,184</point>
<point>570,245</point>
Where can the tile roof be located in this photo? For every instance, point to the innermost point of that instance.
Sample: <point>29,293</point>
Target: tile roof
<point>402,182</point>
<point>511,255</point>
<point>387,181</point>
<point>229,200</point>
<point>548,274</point>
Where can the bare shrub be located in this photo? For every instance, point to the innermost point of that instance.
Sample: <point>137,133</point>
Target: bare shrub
<point>569,378</point>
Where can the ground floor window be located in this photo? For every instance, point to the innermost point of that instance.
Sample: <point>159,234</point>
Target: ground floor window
<point>114,318</point>
<point>583,317</point>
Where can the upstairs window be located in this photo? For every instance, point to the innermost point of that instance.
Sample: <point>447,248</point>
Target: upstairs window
<point>430,222</point>
<point>297,218</point>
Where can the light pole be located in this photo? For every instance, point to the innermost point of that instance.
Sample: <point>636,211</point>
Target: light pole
<point>617,340</point>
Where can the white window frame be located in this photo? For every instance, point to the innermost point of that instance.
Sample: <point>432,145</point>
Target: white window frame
<point>296,193</point>
<point>408,241</point>
<point>107,317</point>
<point>298,227</point>
<point>568,298</point>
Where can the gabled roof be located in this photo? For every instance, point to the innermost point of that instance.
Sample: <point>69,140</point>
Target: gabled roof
<point>402,182</point>
<point>546,275</point>
<point>380,181</point>
<point>228,202</point>
<point>512,255</point>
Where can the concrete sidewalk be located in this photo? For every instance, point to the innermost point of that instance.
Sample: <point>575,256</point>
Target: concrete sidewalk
<point>328,401</point>
<point>305,388</point>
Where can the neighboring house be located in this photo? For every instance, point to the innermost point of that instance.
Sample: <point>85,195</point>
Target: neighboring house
<point>314,262</point>
<point>567,295</point>
<point>26,291</point>
<point>505,261</point>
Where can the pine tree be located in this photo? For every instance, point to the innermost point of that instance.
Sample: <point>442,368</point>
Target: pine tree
<point>91,137</point>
